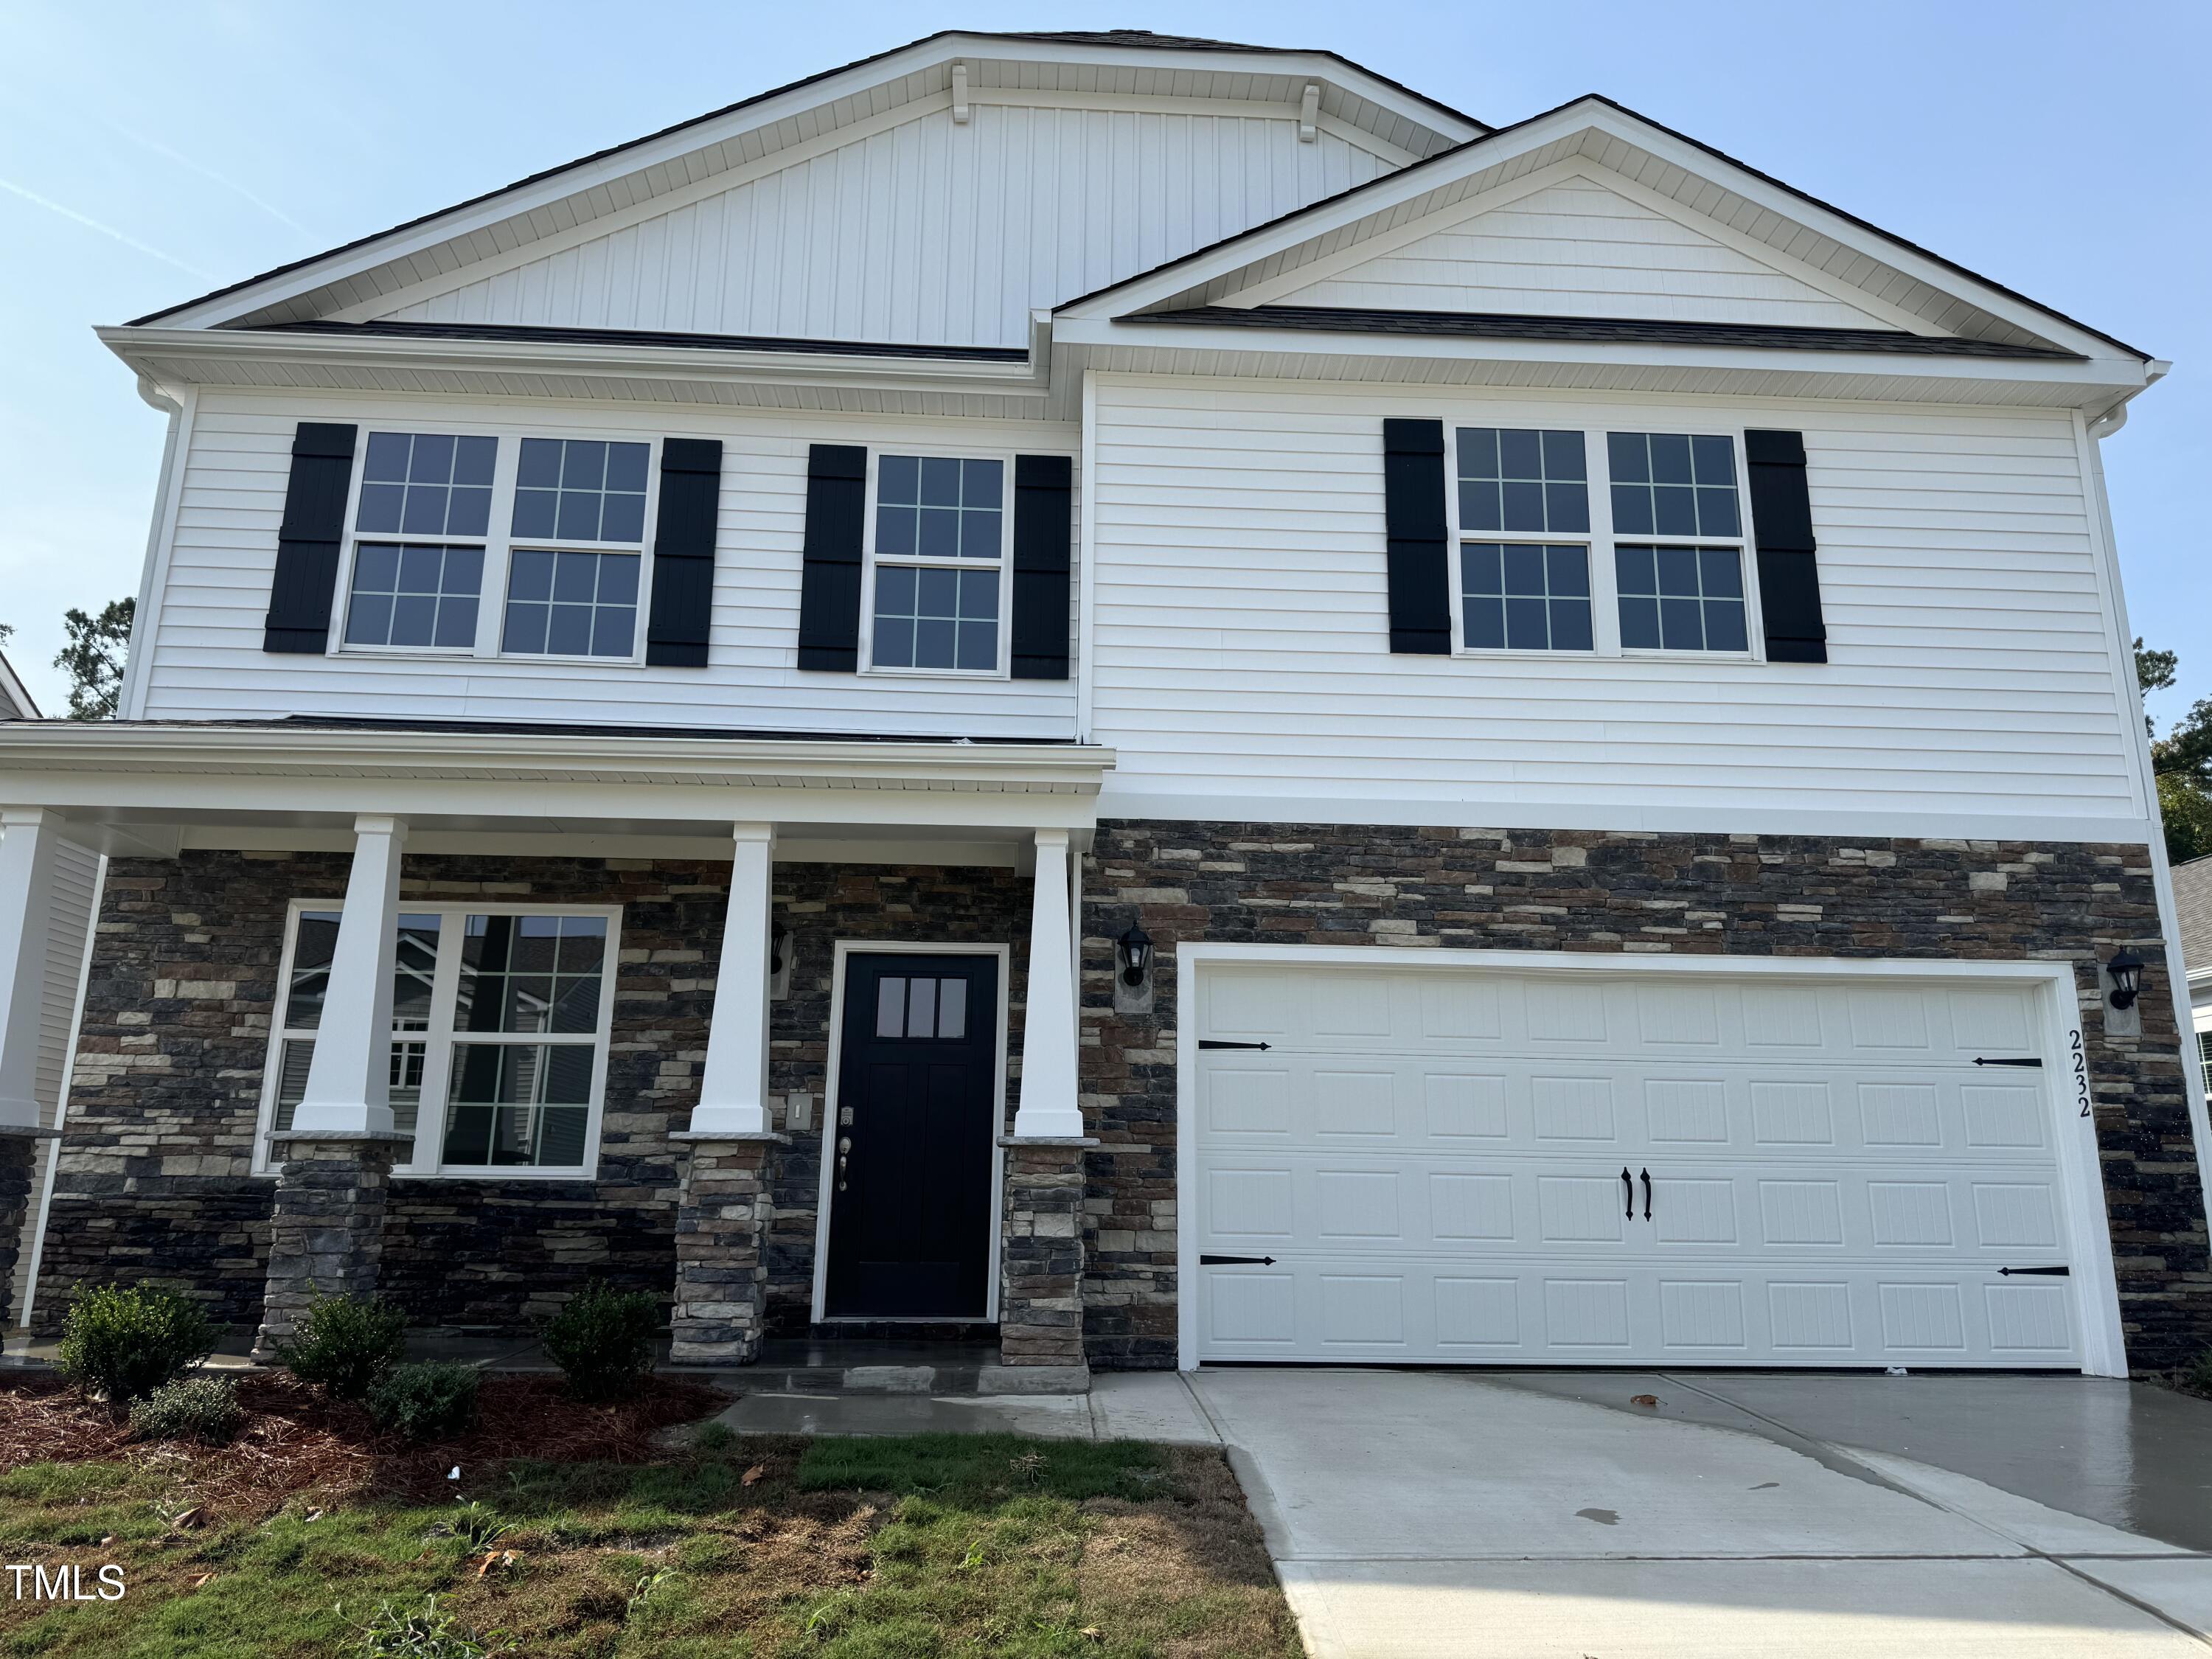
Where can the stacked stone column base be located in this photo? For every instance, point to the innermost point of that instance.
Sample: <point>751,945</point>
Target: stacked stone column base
<point>721,1232</point>
<point>327,1232</point>
<point>1040,1265</point>
<point>19,1165</point>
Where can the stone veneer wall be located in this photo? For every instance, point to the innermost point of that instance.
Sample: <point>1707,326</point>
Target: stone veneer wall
<point>153,1178</point>
<point>1625,892</point>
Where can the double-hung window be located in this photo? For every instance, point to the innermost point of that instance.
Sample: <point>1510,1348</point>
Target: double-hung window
<point>578,548</point>
<point>939,571</point>
<point>1647,557</point>
<point>1678,542</point>
<point>1524,540</point>
<point>500,1017</point>
<point>420,532</point>
<point>429,572</point>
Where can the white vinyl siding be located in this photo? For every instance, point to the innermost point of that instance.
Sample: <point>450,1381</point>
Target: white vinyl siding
<point>77,889</point>
<point>1242,648</point>
<point>1578,249</point>
<point>927,232</point>
<point>205,655</point>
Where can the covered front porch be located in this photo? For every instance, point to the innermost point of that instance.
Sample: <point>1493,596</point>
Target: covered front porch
<point>783,1030</point>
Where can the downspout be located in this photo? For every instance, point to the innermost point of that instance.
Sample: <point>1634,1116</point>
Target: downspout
<point>131,699</point>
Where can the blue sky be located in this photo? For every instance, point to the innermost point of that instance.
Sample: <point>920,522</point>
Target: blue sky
<point>149,153</point>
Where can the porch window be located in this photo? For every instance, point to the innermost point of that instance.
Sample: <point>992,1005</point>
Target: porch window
<point>502,1015</point>
<point>940,564</point>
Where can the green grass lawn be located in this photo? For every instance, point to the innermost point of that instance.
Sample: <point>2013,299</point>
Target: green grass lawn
<point>902,1548</point>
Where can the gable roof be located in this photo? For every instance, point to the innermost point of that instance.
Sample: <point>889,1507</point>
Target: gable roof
<point>1614,119</point>
<point>1444,126</point>
<point>2192,907</point>
<point>15,703</point>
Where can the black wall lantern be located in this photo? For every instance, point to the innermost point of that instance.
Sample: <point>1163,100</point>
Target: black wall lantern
<point>1134,951</point>
<point>2126,971</point>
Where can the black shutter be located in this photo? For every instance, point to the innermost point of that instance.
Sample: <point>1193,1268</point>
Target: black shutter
<point>1782,521</point>
<point>1414,518</point>
<point>1044,490</point>
<point>829,583</point>
<point>683,553</point>
<point>308,541</point>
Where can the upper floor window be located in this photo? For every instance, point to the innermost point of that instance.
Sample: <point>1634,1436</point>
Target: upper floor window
<point>939,566</point>
<point>1533,570</point>
<point>1687,597</point>
<point>1527,591</point>
<point>568,581</point>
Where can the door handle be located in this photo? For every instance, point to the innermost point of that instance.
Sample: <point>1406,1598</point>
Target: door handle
<point>1647,1194</point>
<point>844,1155</point>
<point>1625,1181</point>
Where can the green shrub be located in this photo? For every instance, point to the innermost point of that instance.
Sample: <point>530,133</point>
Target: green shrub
<point>603,1340</point>
<point>203,1408</point>
<point>121,1342</point>
<point>2197,1373</point>
<point>428,1401</point>
<point>345,1343</point>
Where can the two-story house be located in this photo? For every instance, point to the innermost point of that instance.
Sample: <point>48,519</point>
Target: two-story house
<point>1155,694</point>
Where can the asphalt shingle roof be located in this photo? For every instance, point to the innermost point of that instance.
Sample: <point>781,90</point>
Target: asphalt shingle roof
<point>2192,902</point>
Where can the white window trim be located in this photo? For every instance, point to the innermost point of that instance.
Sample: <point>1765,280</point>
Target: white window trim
<point>1004,668</point>
<point>441,1039</point>
<point>1601,539</point>
<point>499,548</point>
<point>846,950</point>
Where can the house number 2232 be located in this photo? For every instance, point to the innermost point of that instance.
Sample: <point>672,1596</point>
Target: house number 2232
<point>2080,1071</point>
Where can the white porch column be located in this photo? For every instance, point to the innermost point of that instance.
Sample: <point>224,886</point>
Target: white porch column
<point>349,1079</point>
<point>1048,1104</point>
<point>29,838</point>
<point>733,1089</point>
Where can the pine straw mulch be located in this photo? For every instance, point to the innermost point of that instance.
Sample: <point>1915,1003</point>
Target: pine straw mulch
<point>295,1440</point>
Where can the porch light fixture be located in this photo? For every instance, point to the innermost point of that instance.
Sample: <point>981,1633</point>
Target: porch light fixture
<point>1133,950</point>
<point>2126,970</point>
<point>778,950</point>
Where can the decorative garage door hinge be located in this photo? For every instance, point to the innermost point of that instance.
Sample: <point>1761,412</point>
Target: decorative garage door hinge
<point>1217,1042</point>
<point>2031,1060</point>
<point>2043,1272</point>
<point>1237,1261</point>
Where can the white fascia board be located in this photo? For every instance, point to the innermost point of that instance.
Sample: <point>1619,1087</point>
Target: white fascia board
<point>168,350</point>
<point>400,752</point>
<point>1585,115</point>
<point>671,146</point>
<point>2065,385</point>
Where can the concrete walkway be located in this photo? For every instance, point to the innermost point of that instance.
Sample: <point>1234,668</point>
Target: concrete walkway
<point>1414,1514</point>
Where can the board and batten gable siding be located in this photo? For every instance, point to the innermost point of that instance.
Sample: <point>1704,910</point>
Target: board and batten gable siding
<point>205,657</point>
<point>927,232</point>
<point>1241,656</point>
<point>1579,248</point>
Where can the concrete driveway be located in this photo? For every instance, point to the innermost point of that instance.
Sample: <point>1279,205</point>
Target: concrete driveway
<point>1545,1514</point>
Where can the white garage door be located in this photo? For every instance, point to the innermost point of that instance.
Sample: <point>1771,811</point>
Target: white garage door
<point>1434,1161</point>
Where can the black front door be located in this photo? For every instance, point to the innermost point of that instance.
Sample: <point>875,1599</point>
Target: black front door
<point>910,1138</point>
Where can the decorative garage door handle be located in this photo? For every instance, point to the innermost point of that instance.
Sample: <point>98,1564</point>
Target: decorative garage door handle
<point>1631,1211</point>
<point>1647,1194</point>
<point>1237,1261</point>
<point>1218,1042</point>
<point>2045,1272</point>
<point>2037,1064</point>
